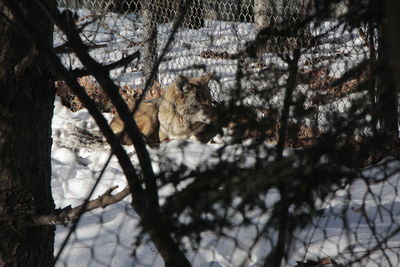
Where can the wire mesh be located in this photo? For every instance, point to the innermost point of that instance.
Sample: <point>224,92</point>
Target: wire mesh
<point>357,225</point>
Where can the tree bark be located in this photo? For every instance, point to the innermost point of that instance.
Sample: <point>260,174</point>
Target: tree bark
<point>392,7</point>
<point>393,43</point>
<point>387,88</point>
<point>26,106</point>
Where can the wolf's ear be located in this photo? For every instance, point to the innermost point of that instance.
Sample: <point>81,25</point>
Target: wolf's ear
<point>206,77</point>
<point>181,83</point>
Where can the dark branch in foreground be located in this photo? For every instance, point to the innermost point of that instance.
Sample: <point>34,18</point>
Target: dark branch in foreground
<point>77,73</point>
<point>145,201</point>
<point>69,215</point>
<point>65,48</point>
<point>65,23</point>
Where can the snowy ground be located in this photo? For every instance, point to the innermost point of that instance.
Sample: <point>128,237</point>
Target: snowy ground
<point>105,237</point>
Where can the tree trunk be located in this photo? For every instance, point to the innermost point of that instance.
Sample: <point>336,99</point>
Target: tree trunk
<point>387,88</point>
<point>393,41</point>
<point>392,8</point>
<point>26,105</point>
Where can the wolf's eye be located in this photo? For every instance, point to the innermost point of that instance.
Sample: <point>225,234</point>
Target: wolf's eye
<point>199,95</point>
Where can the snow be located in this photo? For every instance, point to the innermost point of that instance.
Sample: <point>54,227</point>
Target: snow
<point>381,219</point>
<point>106,237</point>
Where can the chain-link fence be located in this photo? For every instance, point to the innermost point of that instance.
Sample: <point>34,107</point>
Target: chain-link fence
<point>257,50</point>
<point>217,36</point>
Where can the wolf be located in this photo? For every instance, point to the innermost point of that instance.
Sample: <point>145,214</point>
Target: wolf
<point>146,118</point>
<point>186,110</point>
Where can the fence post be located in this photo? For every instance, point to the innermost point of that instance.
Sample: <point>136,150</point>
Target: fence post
<point>261,17</point>
<point>149,37</point>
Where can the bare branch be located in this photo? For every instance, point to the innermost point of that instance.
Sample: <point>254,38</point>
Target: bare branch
<point>290,86</point>
<point>69,215</point>
<point>65,48</point>
<point>77,73</point>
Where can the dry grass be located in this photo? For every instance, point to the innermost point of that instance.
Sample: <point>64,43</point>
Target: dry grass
<point>95,92</point>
